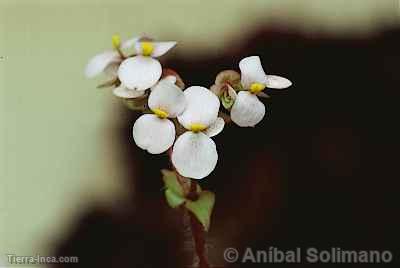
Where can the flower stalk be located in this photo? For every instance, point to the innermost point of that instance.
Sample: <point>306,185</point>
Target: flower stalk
<point>199,241</point>
<point>197,230</point>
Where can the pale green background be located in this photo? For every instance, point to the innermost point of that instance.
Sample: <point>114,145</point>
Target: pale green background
<point>57,131</point>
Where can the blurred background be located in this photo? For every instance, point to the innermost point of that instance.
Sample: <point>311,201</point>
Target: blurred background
<point>321,170</point>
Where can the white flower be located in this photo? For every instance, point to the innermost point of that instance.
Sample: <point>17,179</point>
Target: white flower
<point>248,110</point>
<point>194,154</point>
<point>143,71</point>
<point>155,132</point>
<point>108,61</point>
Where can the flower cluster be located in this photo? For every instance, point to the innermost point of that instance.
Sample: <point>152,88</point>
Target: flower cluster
<point>178,119</point>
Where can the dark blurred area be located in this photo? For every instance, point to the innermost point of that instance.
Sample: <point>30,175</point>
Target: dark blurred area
<point>321,170</point>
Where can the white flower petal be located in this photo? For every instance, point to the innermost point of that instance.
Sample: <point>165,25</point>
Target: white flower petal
<point>129,43</point>
<point>98,63</point>
<point>171,74</point>
<point>248,110</point>
<point>252,71</point>
<point>215,128</point>
<point>160,48</point>
<point>153,134</point>
<point>139,72</point>
<point>279,82</point>
<point>170,78</point>
<point>124,92</point>
<point>167,97</point>
<point>194,155</point>
<point>201,107</point>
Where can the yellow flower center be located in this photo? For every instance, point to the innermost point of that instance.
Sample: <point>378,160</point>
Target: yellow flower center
<point>197,127</point>
<point>116,41</point>
<point>256,88</point>
<point>160,113</point>
<point>147,48</point>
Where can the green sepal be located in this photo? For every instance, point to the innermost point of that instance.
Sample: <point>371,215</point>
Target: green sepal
<point>136,104</point>
<point>227,101</point>
<point>202,208</point>
<point>173,199</point>
<point>238,87</point>
<point>227,76</point>
<point>110,83</point>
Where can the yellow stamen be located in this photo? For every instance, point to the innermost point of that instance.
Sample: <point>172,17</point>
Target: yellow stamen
<point>147,48</point>
<point>197,127</point>
<point>257,87</point>
<point>116,41</point>
<point>160,113</point>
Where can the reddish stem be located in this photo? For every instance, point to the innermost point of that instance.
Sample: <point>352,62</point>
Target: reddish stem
<point>199,241</point>
<point>197,228</point>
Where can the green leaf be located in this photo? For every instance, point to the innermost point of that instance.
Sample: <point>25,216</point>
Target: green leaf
<point>227,101</point>
<point>174,192</point>
<point>171,182</point>
<point>202,208</point>
<point>173,199</point>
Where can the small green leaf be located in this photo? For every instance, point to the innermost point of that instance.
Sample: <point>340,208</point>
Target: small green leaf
<point>202,208</point>
<point>171,182</point>
<point>173,199</point>
<point>227,101</point>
